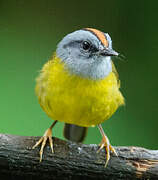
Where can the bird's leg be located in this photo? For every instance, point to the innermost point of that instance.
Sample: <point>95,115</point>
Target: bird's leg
<point>105,143</point>
<point>43,140</point>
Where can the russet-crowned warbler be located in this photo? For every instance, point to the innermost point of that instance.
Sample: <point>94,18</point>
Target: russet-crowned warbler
<point>79,85</point>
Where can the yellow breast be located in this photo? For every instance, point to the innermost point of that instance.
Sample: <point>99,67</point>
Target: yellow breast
<point>76,100</point>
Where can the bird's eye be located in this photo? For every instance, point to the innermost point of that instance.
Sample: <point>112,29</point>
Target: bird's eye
<point>86,45</point>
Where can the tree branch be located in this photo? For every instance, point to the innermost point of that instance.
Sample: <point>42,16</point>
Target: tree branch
<point>72,161</point>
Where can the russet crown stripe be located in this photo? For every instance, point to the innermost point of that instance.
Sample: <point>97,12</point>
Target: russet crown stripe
<point>100,35</point>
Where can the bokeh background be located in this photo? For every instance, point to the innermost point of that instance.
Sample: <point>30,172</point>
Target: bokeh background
<point>29,33</point>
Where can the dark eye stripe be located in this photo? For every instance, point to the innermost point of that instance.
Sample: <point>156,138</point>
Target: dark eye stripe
<point>72,44</point>
<point>92,49</point>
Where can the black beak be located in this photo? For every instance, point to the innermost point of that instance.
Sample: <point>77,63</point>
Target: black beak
<point>108,52</point>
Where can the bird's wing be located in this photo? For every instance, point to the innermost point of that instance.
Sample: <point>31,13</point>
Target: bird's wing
<point>116,73</point>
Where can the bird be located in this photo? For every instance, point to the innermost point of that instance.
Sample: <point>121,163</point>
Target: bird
<point>79,85</point>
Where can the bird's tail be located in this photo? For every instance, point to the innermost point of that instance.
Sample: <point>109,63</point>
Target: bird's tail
<point>75,133</point>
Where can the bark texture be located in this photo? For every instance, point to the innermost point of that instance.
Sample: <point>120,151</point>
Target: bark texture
<point>72,161</point>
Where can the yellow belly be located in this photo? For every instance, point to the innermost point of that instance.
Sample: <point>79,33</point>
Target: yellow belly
<point>76,100</point>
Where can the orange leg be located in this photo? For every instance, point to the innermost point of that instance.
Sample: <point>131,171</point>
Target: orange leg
<point>43,140</point>
<point>105,143</point>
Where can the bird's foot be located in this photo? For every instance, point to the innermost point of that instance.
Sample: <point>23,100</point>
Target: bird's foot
<point>106,144</point>
<point>43,140</point>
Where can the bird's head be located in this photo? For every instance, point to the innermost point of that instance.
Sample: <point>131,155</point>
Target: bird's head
<point>87,53</point>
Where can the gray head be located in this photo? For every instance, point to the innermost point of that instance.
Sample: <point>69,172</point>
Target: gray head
<point>87,53</point>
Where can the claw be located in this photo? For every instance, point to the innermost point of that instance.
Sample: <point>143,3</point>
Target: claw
<point>38,143</point>
<point>100,148</point>
<point>113,150</point>
<point>43,140</point>
<point>51,144</point>
<point>106,144</point>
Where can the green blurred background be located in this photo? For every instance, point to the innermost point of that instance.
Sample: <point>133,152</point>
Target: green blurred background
<point>29,33</point>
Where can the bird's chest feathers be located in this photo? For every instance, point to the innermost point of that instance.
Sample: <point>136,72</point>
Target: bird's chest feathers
<point>77,90</point>
<point>70,97</point>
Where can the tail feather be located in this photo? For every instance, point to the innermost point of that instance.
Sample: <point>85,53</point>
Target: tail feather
<point>75,133</point>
